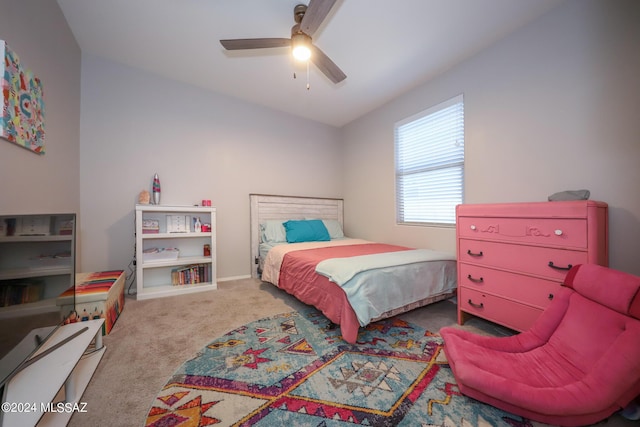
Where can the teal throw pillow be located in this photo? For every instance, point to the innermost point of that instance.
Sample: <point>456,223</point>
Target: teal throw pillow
<point>312,230</point>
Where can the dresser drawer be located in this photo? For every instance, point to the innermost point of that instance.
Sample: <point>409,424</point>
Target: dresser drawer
<point>545,262</point>
<point>500,310</point>
<point>564,232</point>
<point>526,289</point>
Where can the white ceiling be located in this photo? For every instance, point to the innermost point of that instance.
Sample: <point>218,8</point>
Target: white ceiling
<point>386,47</point>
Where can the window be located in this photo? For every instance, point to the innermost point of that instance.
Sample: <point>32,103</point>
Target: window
<point>430,164</point>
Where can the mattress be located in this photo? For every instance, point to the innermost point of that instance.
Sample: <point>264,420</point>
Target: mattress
<point>380,281</point>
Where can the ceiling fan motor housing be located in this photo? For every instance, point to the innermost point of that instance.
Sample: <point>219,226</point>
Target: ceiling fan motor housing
<point>298,12</point>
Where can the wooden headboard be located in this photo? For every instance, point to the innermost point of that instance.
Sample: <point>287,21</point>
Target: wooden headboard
<point>266,207</point>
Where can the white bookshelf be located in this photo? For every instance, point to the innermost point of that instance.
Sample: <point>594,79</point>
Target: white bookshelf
<point>36,252</point>
<point>154,276</point>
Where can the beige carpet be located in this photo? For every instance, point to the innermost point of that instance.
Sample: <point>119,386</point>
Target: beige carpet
<point>152,338</point>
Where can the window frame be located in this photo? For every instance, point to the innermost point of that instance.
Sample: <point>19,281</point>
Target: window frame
<point>400,217</point>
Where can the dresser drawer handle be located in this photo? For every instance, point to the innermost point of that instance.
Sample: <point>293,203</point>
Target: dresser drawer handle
<point>473,253</point>
<point>473,279</point>
<point>568,267</point>
<point>474,305</point>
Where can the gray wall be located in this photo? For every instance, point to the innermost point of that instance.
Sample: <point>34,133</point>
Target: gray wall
<point>202,145</point>
<point>554,106</point>
<point>37,31</point>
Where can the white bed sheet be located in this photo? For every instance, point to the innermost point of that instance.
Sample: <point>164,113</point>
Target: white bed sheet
<point>375,293</point>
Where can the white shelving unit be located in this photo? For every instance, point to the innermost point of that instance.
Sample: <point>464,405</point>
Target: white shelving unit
<point>36,252</point>
<point>154,276</point>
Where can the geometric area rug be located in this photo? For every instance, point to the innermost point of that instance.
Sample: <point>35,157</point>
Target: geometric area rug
<point>293,369</point>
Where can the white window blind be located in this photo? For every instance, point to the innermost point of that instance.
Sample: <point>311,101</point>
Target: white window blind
<point>429,149</point>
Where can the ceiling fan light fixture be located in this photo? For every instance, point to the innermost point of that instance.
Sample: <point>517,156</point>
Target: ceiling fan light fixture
<point>308,19</point>
<point>300,46</point>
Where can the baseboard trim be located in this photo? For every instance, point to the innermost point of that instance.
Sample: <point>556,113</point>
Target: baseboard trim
<point>227,279</point>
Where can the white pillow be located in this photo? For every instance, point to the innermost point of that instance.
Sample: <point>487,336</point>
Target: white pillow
<point>334,228</point>
<point>273,232</point>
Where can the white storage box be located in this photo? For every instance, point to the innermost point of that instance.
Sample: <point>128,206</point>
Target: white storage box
<point>160,254</point>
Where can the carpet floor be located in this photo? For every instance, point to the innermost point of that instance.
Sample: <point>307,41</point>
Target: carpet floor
<point>153,338</point>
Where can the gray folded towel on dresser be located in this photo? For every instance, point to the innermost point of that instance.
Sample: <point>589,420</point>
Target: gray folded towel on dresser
<point>570,195</point>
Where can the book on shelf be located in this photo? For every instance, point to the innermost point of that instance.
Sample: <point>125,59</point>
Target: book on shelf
<point>191,274</point>
<point>21,291</point>
<point>64,226</point>
<point>150,226</point>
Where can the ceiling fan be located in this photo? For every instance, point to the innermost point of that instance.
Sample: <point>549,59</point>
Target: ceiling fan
<point>308,19</point>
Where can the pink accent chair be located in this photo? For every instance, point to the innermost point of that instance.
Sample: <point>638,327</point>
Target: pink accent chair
<point>578,364</point>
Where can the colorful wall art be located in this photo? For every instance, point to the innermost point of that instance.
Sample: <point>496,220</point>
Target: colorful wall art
<point>22,118</point>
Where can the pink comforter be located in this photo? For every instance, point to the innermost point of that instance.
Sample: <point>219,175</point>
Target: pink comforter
<point>299,278</point>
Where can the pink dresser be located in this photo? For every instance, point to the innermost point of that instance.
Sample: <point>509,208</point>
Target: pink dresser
<point>512,257</point>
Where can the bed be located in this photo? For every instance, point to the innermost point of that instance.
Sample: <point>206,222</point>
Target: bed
<point>298,245</point>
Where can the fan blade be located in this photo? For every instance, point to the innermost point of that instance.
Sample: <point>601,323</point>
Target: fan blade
<point>315,14</point>
<point>326,65</point>
<point>237,44</point>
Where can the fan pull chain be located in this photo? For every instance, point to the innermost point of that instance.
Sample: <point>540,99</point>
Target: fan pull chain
<point>308,74</point>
